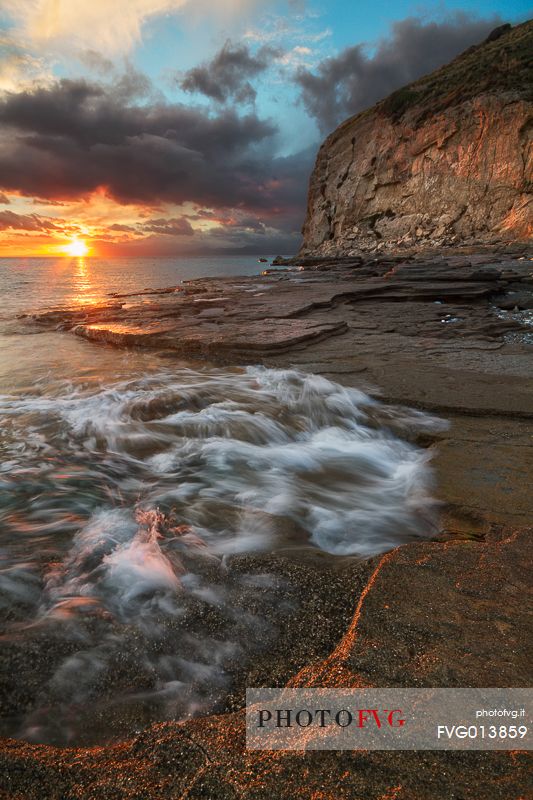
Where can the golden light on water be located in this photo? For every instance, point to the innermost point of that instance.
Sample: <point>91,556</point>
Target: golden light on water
<point>76,248</point>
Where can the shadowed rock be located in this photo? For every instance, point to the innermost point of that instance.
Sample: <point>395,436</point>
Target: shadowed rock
<point>445,160</point>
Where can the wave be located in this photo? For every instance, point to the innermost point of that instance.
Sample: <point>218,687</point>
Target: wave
<point>124,505</point>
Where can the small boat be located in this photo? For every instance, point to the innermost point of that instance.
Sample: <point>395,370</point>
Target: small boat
<point>262,260</point>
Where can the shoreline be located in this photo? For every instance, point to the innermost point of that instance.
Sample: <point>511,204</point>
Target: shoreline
<point>456,620</point>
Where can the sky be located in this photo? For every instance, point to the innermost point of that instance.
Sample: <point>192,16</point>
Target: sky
<point>139,128</point>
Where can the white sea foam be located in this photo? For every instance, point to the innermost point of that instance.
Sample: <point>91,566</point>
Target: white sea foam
<point>157,481</point>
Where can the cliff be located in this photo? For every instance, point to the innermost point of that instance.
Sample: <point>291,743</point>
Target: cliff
<point>446,160</point>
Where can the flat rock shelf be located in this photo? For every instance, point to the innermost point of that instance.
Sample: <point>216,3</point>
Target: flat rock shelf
<point>449,332</point>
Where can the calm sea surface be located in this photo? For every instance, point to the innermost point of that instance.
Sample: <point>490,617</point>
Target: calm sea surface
<point>29,284</point>
<point>131,488</point>
<point>39,282</point>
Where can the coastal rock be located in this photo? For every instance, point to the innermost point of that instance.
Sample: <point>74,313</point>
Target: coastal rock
<point>446,160</point>
<point>441,319</point>
<point>417,329</point>
<point>265,335</point>
<point>512,300</point>
<point>411,611</point>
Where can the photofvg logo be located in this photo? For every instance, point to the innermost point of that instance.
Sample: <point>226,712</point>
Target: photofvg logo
<point>388,719</point>
<point>323,717</point>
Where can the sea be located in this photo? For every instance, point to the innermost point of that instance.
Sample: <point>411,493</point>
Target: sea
<point>139,495</point>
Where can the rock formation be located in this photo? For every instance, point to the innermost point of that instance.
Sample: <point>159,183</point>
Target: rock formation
<point>446,160</point>
<point>453,319</point>
<point>423,330</point>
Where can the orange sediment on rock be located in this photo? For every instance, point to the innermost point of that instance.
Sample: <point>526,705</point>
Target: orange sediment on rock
<point>332,671</point>
<point>393,793</point>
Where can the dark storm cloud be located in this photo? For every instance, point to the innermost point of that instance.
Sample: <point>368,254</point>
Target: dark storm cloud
<point>74,137</point>
<point>71,138</point>
<point>227,75</point>
<point>353,80</point>
<point>89,115</point>
<point>177,226</point>
<point>24,222</point>
<point>247,224</point>
<point>244,240</point>
<point>217,242</point>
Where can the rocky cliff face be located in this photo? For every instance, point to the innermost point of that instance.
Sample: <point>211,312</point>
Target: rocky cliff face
<point>447,160</point>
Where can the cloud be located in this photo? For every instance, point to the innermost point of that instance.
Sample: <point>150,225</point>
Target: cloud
<point>301,25</point>
<point>111,26</point>
<point>18,68</point>
<point>245,239</point>
<point>24,222</point>
<point>353,80</point>
<point>221,240</point>
<point>75,137</point>
<point>96,62</point>
<point>78,140</point>
<point>120,228</point>
<point>4,199</point>
<point>227,74</point>
<point>178,226</point>
<point>115,26</point>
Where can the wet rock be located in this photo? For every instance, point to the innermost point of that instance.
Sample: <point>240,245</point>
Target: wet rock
<point>266,336</point>
<point>417,604</point>
<point>382,315</point>
<point>448,612</point>
<point>512,300</point>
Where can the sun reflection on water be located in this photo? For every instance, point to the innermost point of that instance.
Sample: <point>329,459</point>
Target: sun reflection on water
<point>85,292</point>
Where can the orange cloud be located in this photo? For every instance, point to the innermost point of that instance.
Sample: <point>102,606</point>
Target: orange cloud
<point>111,27</point>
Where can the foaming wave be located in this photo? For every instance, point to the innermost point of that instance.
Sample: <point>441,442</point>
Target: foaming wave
<point>124,503</point>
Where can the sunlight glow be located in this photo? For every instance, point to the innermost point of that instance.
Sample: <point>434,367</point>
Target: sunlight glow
<point>76,248</point>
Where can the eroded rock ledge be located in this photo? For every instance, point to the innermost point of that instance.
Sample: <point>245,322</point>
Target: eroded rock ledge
<point>451,612</point>
<point>432,330</point>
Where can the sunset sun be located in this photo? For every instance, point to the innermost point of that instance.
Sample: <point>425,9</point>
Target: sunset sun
<point>77,247</point>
